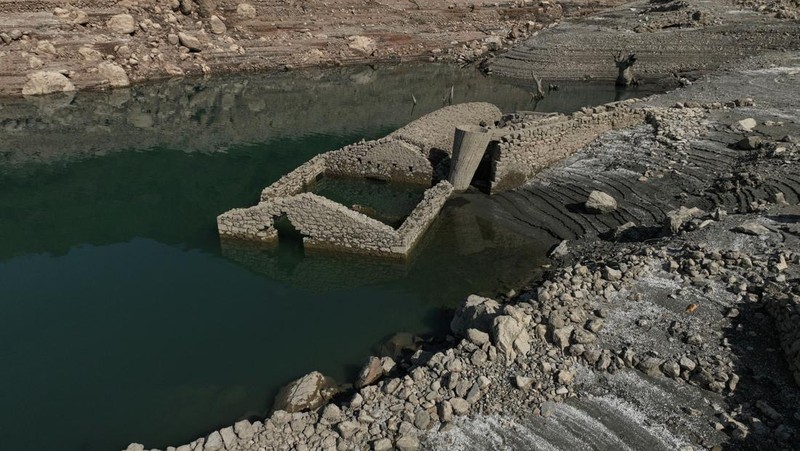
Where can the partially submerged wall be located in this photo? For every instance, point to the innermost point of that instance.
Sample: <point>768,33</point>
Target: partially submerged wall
<point>384,159</point>
<point>401,157</point>
<point>436,130</point>
<point>532,146</point>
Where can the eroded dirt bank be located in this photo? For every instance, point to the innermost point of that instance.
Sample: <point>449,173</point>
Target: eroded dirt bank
<point>96,43</point>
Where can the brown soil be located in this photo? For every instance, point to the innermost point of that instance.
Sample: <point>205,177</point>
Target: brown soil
<point>282,35</point>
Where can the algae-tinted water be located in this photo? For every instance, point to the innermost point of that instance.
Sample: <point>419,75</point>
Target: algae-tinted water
<point>389,203</point>
<point>124,319</point>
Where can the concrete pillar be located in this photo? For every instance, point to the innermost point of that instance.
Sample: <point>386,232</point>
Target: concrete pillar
<point>469,146</point>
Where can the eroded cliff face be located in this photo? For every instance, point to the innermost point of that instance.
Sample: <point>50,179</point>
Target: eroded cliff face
<point>55,46</point>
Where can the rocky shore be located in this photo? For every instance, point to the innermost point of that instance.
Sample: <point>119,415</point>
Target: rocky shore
<point>668,319</point>
<point>56,46</point>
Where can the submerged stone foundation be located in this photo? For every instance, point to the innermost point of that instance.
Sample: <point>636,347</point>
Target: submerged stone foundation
<point>419,154</point>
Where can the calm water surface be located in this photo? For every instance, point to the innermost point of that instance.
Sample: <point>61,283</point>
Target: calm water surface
<point>124,319</point>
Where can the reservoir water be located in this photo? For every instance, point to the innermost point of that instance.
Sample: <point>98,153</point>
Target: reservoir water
<point>124,319</point>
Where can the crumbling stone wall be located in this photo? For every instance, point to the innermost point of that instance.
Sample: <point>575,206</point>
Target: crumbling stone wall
<point>436,130</point>
<point>326,224</point>
<point>531,146</point>
<point>401,157</point>
<point>298,180</point>
<point>384,159</point>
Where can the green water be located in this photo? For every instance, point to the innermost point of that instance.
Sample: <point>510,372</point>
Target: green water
<point>389,203</point>
<point>124,319</point>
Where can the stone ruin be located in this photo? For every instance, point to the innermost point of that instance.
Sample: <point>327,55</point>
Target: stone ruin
<point>420,154</point>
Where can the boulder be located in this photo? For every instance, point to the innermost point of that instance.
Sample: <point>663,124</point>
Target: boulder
<point>190,42</point>
<point>309,392</point>
<point>206,7</point>
<point>475,312</point>
<point>407,443</point>
<point>510,337</point>
<point>214,442</point>
<point>600,202</point>
<point>244,429</point>
<point>44,82</point>
<point>217,25</point>
<point>362,44</point>
<point>186,6</point>
<point>90,54</point>
<point>114,74</point>
<point>122,24</point>
<point>370,373</point>
<point>477,337</point>
<point>747,124</point>
<point>246,11</point>
<point>675,219</point>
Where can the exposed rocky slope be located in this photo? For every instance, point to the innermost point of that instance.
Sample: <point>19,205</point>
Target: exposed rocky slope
<point>680,37</point>
<point>55,46</point>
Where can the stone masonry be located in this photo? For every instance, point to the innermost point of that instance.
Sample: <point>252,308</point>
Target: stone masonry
<point>326,225</point>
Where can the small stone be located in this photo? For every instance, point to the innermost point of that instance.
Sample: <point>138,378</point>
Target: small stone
<point>460,406</point>
<point>477,337</point>
<point>522,382</point>
<point>347,429</point>
<point>217,25</point>
<point>383,444</point>
<point>565,377</point>
<point>332,413</point>
<point>422,419</point>
<point>190,42</point>
<point>407,443</point>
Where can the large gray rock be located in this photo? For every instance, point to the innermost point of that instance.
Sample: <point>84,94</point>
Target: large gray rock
<point>114,74</point>
<point>511,337</point>
<point>309,392</point>
<point>475,312</point>
<point>600,202</point>
<point>122,24</point>
<point>44,82</point>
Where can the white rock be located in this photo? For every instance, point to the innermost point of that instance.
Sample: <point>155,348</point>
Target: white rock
<point>600,202</point>
<point>114,74</point>
<point>308,392</point>
<point>362,44</point>
<point>122,24</point>
<point>45,82</point>
<point>217,25</point>
<point>246,11</point>
<point>510,337</point>
<point>190,42</point>
<point>747,124</point>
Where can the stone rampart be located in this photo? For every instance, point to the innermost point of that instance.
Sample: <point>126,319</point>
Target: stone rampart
<point>531,146</point>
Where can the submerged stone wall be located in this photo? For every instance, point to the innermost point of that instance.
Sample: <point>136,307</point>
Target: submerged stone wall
<point>401,157</point>
<point>531,146</point>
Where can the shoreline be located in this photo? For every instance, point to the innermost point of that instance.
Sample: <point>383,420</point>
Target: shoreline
<point>563,349</point>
